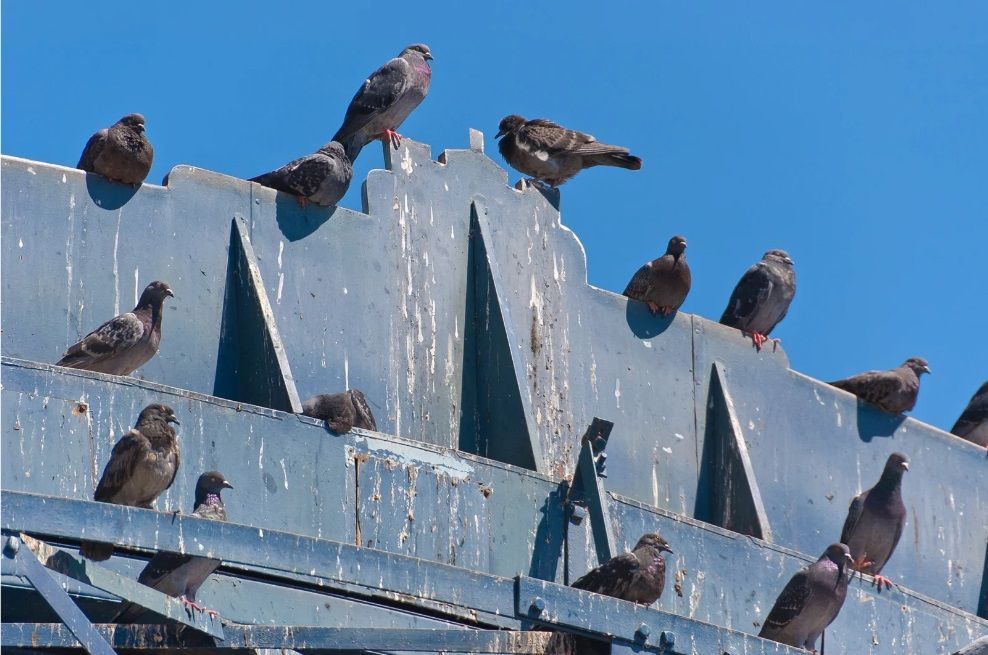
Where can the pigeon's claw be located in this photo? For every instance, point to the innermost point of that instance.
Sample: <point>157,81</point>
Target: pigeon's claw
<point>758,340</point>
<point>652,307</point>
<point>879,580</point>
<point>665,310</point>
<point>861,563</point>
<point>302,201</point>
<point>393,137</point>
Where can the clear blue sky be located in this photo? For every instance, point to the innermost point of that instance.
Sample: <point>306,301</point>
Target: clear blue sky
<point>854,135</point>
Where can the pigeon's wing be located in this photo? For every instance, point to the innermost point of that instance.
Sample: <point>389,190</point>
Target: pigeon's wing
<point>790,602</point>
<point>611,578</point>
<point>379,92</point>
<point>872,386</point>
<point>131,449</point>
<point>94,146</point>
<point>541,135</point>
<point>853,514</point>
<point>114,336</point>
<point>752,290</point>
<point>364,416</point>
<point>638,286</point>
<point>306,174</point>
<point>974,414</point>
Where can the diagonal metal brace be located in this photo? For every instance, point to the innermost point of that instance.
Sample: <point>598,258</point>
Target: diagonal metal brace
<point>130,590</point>
<point>57,598</point>
<point>588,489</point>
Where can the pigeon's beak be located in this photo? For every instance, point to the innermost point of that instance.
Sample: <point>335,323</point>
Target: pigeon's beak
<point>172,419</point>
<point>926,369</point>
<point>500,133</point>
<point>428,56</point>
<point>666,548</point>
<point>905,465</point>
<point>169,293</point>
<point>226,485</point>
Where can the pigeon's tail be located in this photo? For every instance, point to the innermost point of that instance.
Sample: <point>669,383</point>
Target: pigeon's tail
<point>96,551</point>
<point>352,144</point>
<point>271,180</point>
<point>619,159</point>
<point>128,613</point>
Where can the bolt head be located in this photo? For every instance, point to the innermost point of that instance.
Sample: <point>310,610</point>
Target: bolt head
<point>538,605</point>
<point>643,631</point>
<point>667,639</point>
<point>11,546</point>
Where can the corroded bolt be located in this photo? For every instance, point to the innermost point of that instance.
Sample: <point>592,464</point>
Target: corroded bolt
<point>11,547</point>
<point>667,639</point>
<point>538,605</point>
<point>643,631</point>
<point>577,514</point>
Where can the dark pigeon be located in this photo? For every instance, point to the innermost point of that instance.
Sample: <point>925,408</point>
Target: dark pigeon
<point>552,154</point>
<point>121,152</point>
<point>180,576</point>
<point>976,647</point>
<point>663,283</point>
<point>973,422</point>
<point>875,521</point>
<point>638,576</point>
<point>142,465</point>
<point>385,100</point>
<point>124,343</point>
<point>321,178</point>
<point>892,391</point>
<point>810,601</point>
<point>762,297</point>
<point>341,411</point>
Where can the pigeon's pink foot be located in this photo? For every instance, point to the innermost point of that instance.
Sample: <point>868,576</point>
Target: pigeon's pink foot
<point>880,580</point>
<point>302,201</point>
<point>861,563</point>
<point>393,137</point>
<point>665,311</point>
<point>758,340</point>
<point>652,307</point>
<point>192,605</point>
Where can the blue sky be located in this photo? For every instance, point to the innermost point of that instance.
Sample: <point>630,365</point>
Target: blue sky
<point>853,135</point>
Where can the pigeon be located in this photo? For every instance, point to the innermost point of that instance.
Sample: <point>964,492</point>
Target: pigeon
<point>385,100</point>
<point>762,297</point>
<point>341,411</point>
<point>875,520</point>
<point>180,576</point>
<point>142,465</point>
<point>121,152</point>
<point>638,576</point>
<point>973,422</point>
<point>552,154</point>
<point>321,178</point>
<point>976,647</point>
<point>125,343</point>
<point>810,601</point>
<point>892,391</point>
<point>664,282</point>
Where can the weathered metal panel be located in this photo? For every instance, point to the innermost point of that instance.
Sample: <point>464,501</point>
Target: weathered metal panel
<point>813,447</point>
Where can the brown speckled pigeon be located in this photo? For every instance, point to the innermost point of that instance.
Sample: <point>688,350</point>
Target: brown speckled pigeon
<point>973,422</point>
<point>385,100</point>
<point>341,411</point>
<point>124,343</point>
<point>142,465</point>
<point>810,601</point>
<point>553,154</point>
<point>893,391</point>
<point>180,576</point>
<point>321,178</point>
<point>663,283</point>
<point>121,152</point>
<point>762,297</point>
<point>875,521</point>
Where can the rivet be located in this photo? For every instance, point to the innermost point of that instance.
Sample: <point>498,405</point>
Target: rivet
<point>667,639</point>
<point>12,545</point>
<point>644,631</point>
<point>538,605</point>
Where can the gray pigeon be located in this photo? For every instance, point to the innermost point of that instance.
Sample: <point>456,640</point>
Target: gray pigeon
<point>810,601</point>
<point>341,411</point>
<point>663,283</point>
<point>142,465</point>
<point>638,576</point>
<point>976,647</point>
<point>893,391</point>
<point>875,521</point>
<point>973,422</point>
<point>762,297</point>
<point>124,343</point>
<point>552,154</point>
<point>180,576</point>
<point>385,100</point>
<point>322,177</point>
<point>121,152</point>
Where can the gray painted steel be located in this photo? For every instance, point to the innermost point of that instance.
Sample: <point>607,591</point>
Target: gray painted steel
<point>461,308</point>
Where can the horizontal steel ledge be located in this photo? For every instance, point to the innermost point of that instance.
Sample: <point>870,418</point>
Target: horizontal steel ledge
<point>301,638</point>
<point>395,579</point>
<point>575,610</point>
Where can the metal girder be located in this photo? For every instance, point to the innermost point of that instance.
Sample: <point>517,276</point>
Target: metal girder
<point>97,576</point>
<point>629,624</point>
<point>305,639</point>
<point>588,487</point>
<point>77,627</point>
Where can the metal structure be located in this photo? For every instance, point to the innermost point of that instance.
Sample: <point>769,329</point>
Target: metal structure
<point>531,426</point>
